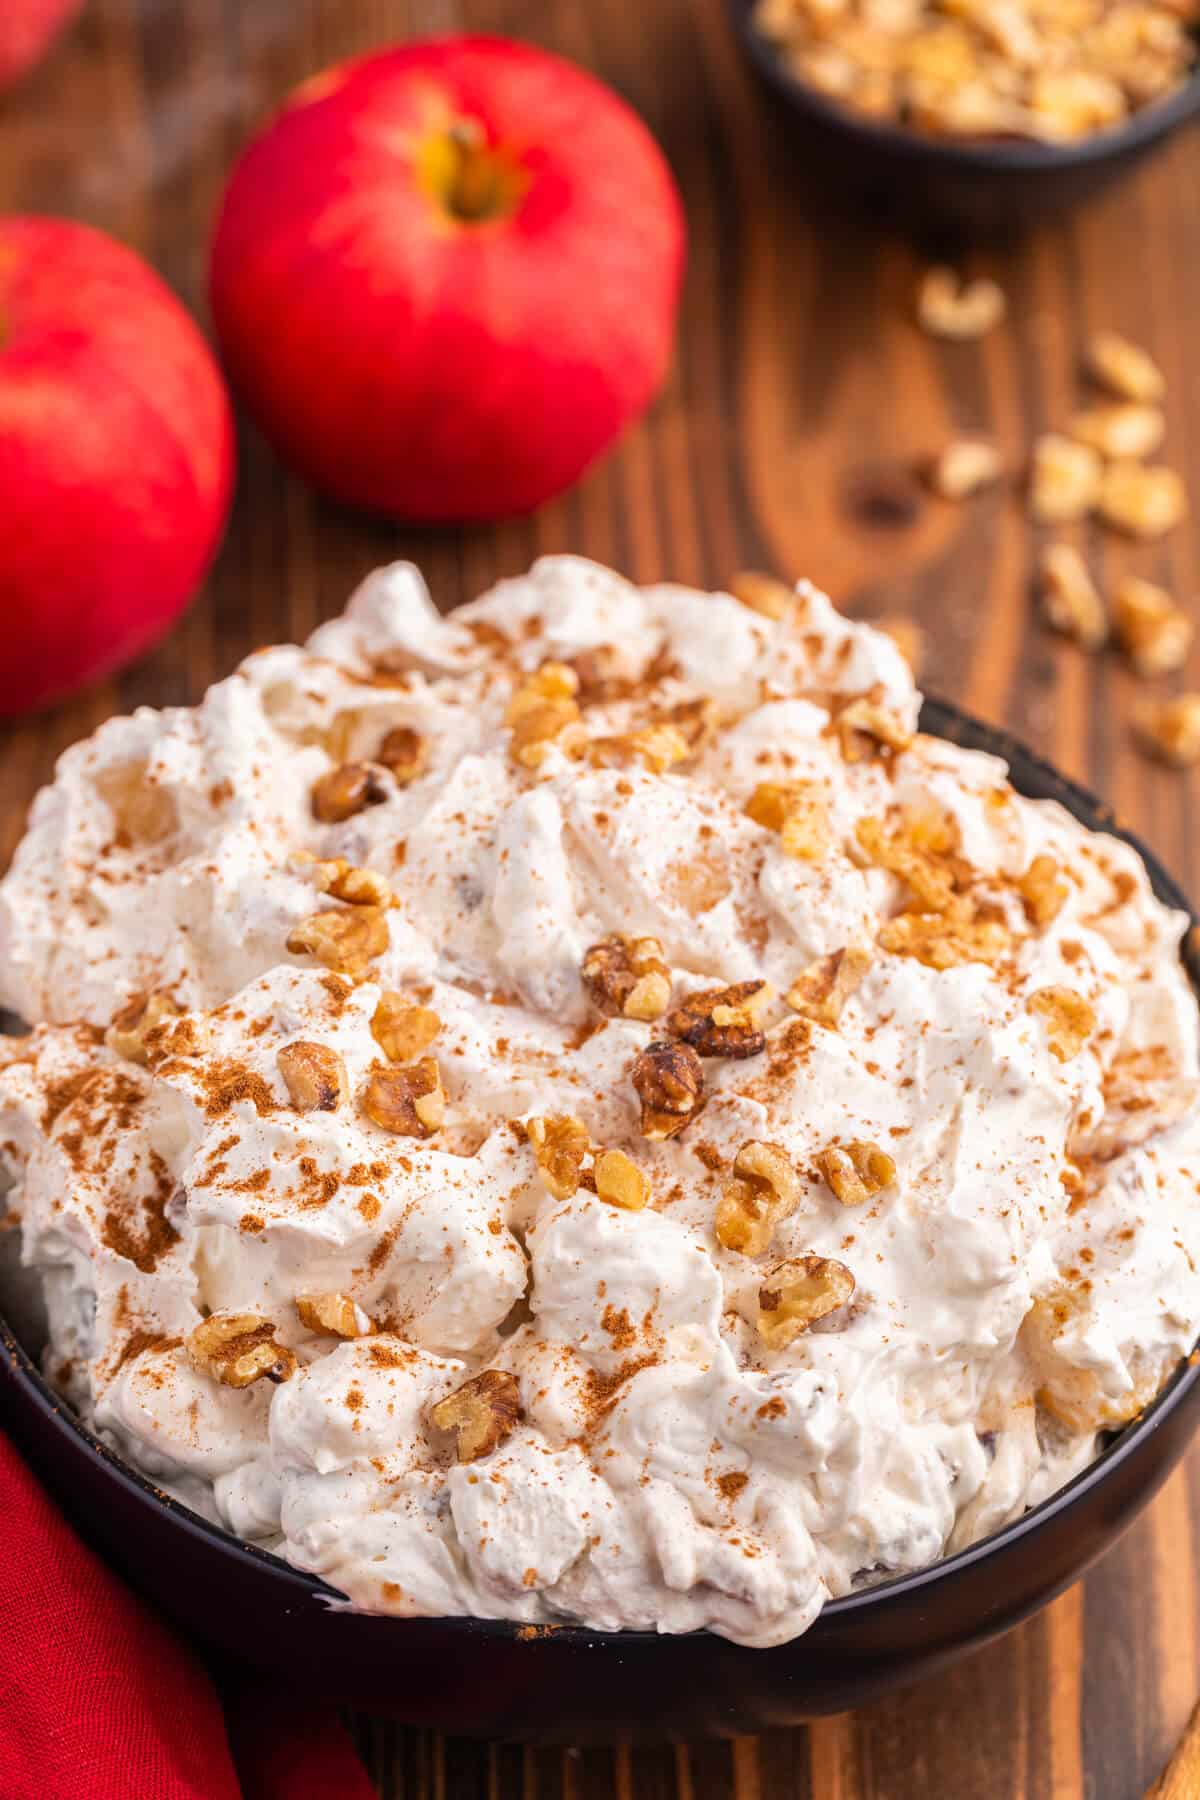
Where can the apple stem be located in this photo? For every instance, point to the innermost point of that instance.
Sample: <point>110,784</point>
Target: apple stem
<point>476,189</point>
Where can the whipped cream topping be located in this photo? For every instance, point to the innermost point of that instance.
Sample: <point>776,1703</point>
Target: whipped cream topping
<point>989,1133</point>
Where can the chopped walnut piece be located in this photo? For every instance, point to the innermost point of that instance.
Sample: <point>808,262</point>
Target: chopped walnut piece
<point>401,1028</point>
<point>1043,894</point>
<point>560,1144</point>
<point>336,1314</point>
<point>627,975</point>
<point>1069,597</point>
<point>1124,369</point>
<point>722,1021</point>
<point>763,594</point>
<point>483,1412</point>
<point>1152,630</point>
<point>129,1034</point>
<point>599,673</point>
<point>1065,482</point>
<point>1070,1020</point>
<point>1069,103</point>
<point>346,942</point>
<point>697,721</point>
<point>357,887</point>
<point>944,940</point>
<point>1124,430</point>
<point>949,307</point>
<point>923,853</point>
<point>765,1189</point>
<point>660,746</point>
<point>314,1075</point>
<point>864,723</point>
<point>239,1348</point>
<point>409,1102</point>
<point>144,812</point>
<point>909,639</point>
<point>404,752</point>
<point>798,1292</point>
<point>669,1082</point>
<point>797,811</point>
<point>542,711</point>
<point>1145,501</point>
<point>822,990</point>
<point>620,1181</point>
<point>856,1171</point>
<point>1170,729</point>
<point>965,467</point>
<point>345,791</point>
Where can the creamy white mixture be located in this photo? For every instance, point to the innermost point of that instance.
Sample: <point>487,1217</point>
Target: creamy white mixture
<point>1023,1258</point>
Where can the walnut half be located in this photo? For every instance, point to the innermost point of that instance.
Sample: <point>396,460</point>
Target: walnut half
<point>669,1082</point>
<point>799,1292</point>
<point>129,1034</point>
<point>627,975</point>
<point>620,1181</point>
<point>765,1189</point>
<point>346,942</point>
<point>408,1102</point>
<point>335,1314</point>
<point>559,1144</point>
<point>722,1021</point>
<point>237,1349</point>
<point>315,1076</point>
<point>482,1412</point>
<point>856,1171</point>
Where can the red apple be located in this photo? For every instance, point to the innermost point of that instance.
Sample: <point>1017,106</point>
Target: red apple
<point>27,28</point>
<point>446,276</point>
<point>116,458</point>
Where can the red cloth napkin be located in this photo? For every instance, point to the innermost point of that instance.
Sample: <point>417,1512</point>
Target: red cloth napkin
<point>98,1701</point>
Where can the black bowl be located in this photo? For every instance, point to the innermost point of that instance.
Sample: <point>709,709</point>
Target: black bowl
<point>974,185</point>
<point>571,1685</point>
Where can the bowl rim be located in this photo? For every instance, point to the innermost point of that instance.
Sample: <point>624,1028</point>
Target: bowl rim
<point>975,155</point>
<point>939,718</point>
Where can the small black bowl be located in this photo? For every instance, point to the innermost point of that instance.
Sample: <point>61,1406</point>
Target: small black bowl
<point>980,186</point>
<point>569,1685</point>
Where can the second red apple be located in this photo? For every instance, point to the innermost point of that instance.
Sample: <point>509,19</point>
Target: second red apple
<point>446,277</point>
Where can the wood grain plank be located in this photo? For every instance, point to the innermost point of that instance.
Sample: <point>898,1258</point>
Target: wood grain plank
<point>789,435</point>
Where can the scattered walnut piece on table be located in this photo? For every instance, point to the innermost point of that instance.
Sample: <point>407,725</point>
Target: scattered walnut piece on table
<point>627,976</point>
<point>1070,1019</point>
<point>949,307</point>
<point>337,1315</point>
<point>1065,481</point>
<point>722,1021</point>
<point>620,1181</point>
<point>856,1171</point>
<point>797,1293</point>
<point>1126,430</point>
<point>482,1413</point>
<point>560,1143</point>
<point>237,1349</point>
<point>965,467</point>
<point>1144,501</point>
<point>407,1102</point>
<point>403,1029</point>
<point>821,990</point>
<point>346,942</point>
<point>314,1075</point>
<point>1152,630</point>
<point>1170,729</point>
<point>346,790</point>
<point>765,1189</point>
<point>1070,600</point>
<point>669,1082</point>
<point>129,1034</point>
<point>763,594</point>
<point>1124,369</point>
<point>404,752</point>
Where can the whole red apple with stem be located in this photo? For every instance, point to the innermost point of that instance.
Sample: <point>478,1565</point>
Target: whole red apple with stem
<point>27,29</point>
<point>446,276</point>
<point>116,458</point>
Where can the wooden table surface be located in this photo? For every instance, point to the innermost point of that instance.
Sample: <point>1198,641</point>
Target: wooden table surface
<point>801,397</point>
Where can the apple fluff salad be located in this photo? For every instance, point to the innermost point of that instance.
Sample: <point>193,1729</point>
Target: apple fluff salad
<point>576,1111</point>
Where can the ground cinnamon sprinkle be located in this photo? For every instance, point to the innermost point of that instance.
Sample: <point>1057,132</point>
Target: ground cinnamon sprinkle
<point>141,1231</point>
<point>138,1341</point>
<point>224,1084</point>
<point>601,1392</point>
<point>731,1485</point>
